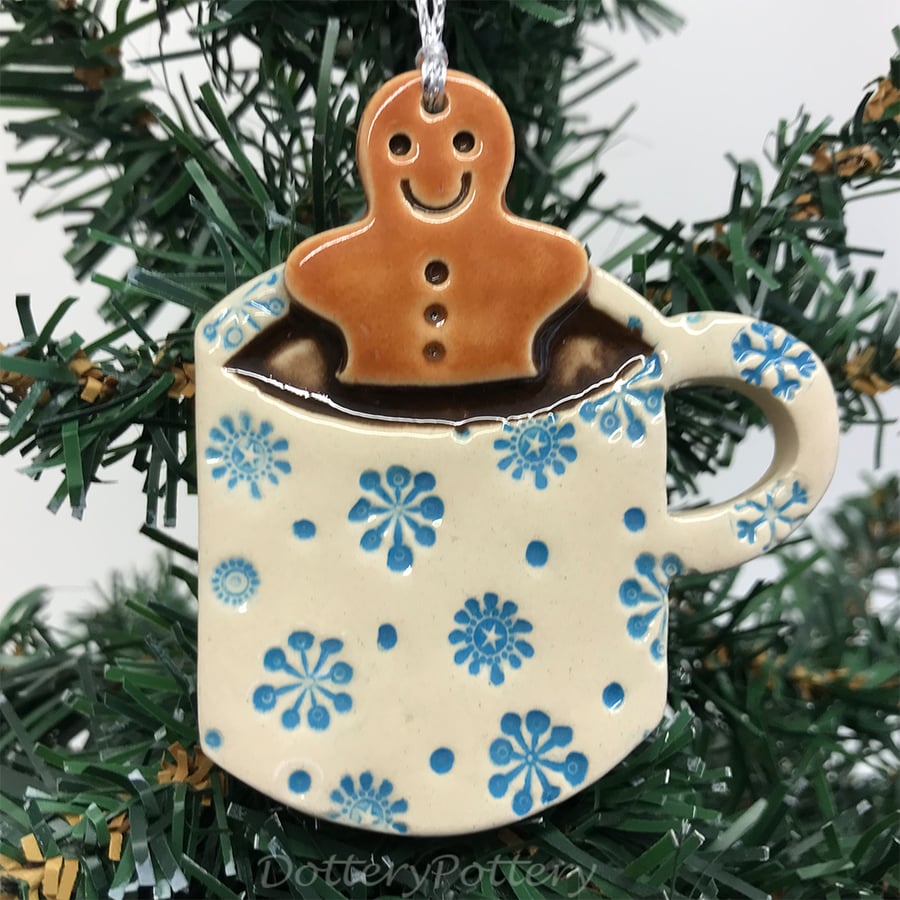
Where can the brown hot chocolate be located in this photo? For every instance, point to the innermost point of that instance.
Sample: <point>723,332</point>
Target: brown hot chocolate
<point>296,360</point>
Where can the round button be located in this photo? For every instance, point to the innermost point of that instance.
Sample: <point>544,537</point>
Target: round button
<point>434,351</point>
<point>436,315</point>
<point>436,272</point>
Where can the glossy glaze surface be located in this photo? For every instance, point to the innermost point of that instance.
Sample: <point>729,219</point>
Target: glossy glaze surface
<point>425,629</point>
<point>438,284</point>
<point>294,361</point>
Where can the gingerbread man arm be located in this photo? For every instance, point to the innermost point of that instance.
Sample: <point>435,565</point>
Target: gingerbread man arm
<point>317,274</point>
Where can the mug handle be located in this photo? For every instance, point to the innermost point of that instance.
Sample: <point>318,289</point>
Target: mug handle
<point>789,383</point>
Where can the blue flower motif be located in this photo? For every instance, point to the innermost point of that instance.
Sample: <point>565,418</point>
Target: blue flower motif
<point>244,453</point>
<point>534,760</point>
<point>535,444</point>
<point>234,322</point>
<point>770,514</point>
<point>761,340</point>
<point>490,636</point>
<point>399,505</point>
<point>308,680</point>
<point>368,806</point>
<point>651,590</point>
<point>630,399</point>
<point>235,581</point>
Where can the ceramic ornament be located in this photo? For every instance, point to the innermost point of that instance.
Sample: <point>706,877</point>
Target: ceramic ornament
<point>435,545</point>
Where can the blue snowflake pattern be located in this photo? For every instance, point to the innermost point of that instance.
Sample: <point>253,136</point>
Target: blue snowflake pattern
<point>533,759</point>
<point>631,399</point>
<point>535,444</point>
<point>235,581</point>
<point>651,590</point>
<point>491,636</point>
<point>234,323</point>
<point>364,804</point>
<point>773,355</point>
<point>770,514</point>
<point>399,503</point>
<point>242,453</point>
<point>308,681</point>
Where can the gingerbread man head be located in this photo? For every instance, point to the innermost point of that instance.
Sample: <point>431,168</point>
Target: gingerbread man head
<point>434,166</point>
<point>438,284</point>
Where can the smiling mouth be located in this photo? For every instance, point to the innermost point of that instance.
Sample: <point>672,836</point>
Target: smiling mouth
<point>416,203</point>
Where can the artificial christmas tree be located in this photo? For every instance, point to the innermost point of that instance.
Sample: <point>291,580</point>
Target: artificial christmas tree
<point>775,772</point>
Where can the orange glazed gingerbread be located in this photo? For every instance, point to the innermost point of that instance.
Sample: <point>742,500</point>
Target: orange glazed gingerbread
<point>438,283</point>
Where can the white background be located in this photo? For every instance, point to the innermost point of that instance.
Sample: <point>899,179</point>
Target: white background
<point>718,86</point>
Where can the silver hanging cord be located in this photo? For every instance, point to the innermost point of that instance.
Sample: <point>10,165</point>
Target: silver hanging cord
<point>432,57</point>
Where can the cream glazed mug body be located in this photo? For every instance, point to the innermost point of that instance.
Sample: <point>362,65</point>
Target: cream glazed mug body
<point>421,629</point>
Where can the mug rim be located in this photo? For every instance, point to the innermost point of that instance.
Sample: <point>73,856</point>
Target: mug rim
<point>321,408</point>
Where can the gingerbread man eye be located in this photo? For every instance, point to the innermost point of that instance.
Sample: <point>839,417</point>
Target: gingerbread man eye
<point>400,144</point>
<point>464,141</point>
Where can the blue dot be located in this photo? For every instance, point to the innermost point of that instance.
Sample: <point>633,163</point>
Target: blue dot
<point>442,760</point>
<point>613,695</point>
<point>299,781</point>
<point>537,554</point>
<point>399,558</point>
<point>387,637</point>
<point>304,529</point>
<point>635,519</point>
<point>213,738</point>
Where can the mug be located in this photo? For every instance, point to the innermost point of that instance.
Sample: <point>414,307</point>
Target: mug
<point>421,628</point>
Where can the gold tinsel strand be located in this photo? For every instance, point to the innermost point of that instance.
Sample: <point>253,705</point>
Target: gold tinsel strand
<point>51,879</point>
<point>859,370</point>
<point>885,97</point>
<point>860,160</point>
<point>54,878</point>
<point>194,771</point>
<point>807,208</point>
<point>94,382</point>
<point>184,384</point>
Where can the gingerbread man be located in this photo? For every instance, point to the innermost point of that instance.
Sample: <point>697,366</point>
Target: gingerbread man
<point>438,283</point>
